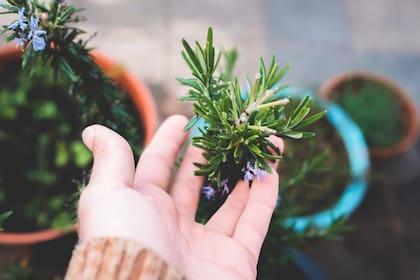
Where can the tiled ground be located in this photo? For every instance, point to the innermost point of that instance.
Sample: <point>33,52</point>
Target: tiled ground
<point>320,38</point>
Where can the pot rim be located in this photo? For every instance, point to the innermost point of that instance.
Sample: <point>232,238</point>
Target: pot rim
<point>410,110</point>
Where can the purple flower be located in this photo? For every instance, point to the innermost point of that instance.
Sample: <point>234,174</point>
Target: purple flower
<point>248,176</point>
<point>209,192</point>
<point>22,22</point>
<point>260,173</point>
<point>250,172</point>
<point>38,43</point>
<point>35,34</point>
<point>225,187</point>
<point>20,41</point>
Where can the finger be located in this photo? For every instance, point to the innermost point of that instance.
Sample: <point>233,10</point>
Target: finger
<point>225,219</point>
<point>278,142</point>
<point>186,187</point>
<point>113,162</point>
<point>156,162</point>
<point>253,224</point>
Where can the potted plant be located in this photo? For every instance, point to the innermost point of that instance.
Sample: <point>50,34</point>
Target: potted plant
<point>232,126</point>
<point>323,180</point>
<point>382,109</point>
<point>63,87</point>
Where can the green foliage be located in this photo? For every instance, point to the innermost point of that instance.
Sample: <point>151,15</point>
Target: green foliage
<point>41,150</point>
<point>3,217</point>
<point>99,98</point>
<point>237,124</point>
<point>375,108</point>
<point>41,118</point>
<point>23,271</point>
<point>315,172</point>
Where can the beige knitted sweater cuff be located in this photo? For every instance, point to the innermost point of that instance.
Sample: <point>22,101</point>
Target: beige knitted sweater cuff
<point>119,259</point>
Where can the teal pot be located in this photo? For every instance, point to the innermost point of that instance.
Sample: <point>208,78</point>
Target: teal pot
<point>358,156</point>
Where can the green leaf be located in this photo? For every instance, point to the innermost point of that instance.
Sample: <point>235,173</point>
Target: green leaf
<point>300,116</point>
<point>201,57</point>
<point>294,134</point>
<point>305,102</point>
<point>27,56</point>
<point>11,8</point>
<point>263,72</point>
<point>312,119</point>
<point>279,75</point>
<point>189,82</point>
<point>191,123</point>
<point>65,66</point>
<point>192,56</point>
<point>5,215</point>
<point>187,98</point>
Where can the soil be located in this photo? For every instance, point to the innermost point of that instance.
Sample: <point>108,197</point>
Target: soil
<point>375,107</point>
<point>321,187</point>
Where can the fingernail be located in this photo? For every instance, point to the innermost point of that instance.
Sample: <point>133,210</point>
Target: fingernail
<point>88,136</point>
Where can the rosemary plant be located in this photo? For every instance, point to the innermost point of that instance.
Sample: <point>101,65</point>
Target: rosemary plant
<point>50,41</point>
<point>235,137</point>
<point>47,35</point>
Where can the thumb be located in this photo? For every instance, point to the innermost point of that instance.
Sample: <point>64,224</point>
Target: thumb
<point>113,162</point>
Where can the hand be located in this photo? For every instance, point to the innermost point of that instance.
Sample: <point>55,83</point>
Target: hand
<point>136,203</point>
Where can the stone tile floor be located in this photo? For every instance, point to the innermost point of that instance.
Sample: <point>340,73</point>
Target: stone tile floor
<point>320,38</point>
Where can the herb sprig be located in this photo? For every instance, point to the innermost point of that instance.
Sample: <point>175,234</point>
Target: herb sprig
<point>235,137</point>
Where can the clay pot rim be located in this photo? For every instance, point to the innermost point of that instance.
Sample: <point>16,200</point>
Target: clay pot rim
<point>146,107</point>
<point>411,116</point>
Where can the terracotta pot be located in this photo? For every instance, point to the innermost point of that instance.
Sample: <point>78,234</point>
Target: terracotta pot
<point>146,108</point>
<point>408,110</point>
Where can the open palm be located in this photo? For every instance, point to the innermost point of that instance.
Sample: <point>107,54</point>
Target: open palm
<point>142,204</point>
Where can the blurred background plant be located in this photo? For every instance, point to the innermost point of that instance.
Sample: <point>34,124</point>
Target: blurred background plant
<point>44,108</point>
<point>47,96</point>
<point>374,107</point>
<point>48,36</point>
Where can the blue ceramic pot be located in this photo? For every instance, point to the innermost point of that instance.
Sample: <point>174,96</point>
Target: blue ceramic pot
<point>354,192</point>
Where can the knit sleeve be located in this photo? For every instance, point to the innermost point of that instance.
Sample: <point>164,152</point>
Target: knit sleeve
<point>119,259</point>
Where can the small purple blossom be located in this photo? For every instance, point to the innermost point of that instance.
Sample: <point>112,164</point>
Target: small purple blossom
<point>225,187</point>
<point>250,172</point>
<point>35,34</point>
<point>260,173</point>
<point>248,176</point>
<point>209,192</point>
<point>38,43</point>
<point>22,22</point>
<point>21,41</point>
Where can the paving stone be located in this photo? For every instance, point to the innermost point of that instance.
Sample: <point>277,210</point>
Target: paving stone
<point>385,25</point>
<point>313,23</point>
<point>402,68</point>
